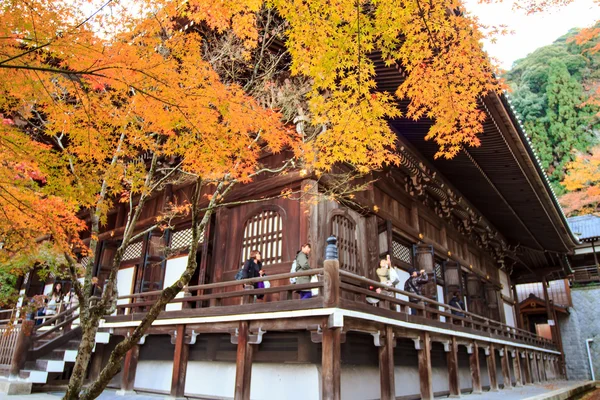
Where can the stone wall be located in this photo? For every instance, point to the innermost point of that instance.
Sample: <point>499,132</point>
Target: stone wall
<point>582,323</point>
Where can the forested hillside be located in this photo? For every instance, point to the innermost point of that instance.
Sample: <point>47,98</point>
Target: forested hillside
<point>551,88</point>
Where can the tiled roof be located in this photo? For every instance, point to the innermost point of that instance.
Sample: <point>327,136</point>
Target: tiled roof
<point>585,226</point>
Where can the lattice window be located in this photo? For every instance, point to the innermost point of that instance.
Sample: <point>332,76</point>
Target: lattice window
<point>345,230</point>
<point>264,232</point>
<point>133,251</point>
<point>84,261</point>
<point>182,240</point>
<point>402,252</point>
<point>439,272</point>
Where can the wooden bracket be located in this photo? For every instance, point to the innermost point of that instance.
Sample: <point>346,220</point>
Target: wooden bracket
<point>377,339</point>
<point>487,349</point>
<point>418,343</point>
<point>501,351</point>
<point>446,344</point>
<point>188,339</point>
<point>316,334</point>
<point>523,355</point>
<point>531,356</point>
<point>513,353</point>
<point>142,340</point>
<point>470,348</point>
<point>253,338</point>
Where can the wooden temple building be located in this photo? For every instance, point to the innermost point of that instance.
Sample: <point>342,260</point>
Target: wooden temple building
<point>478,224</point>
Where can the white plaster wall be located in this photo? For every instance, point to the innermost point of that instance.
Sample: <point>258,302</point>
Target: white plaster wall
<point>359,382</point>
<point>154,376</point>
<point>269,381</point>
<point>125,284</point>
<point>509,315</point>
<point>440,299</point>
<point>48,289</point>
<point>406,380</point>
<point>505,285</point>
<point>173,270</point>
<point>464,378</point>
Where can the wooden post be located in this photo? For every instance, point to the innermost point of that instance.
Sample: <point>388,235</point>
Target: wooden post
<point>526,368</point>
<point>425,367</point>
<point>520,323</point>
<point>506,368</point>
<point>330,364</point>
<point>535,378</point>
<point>180,361</point>
<point>474,365</point>
<point>517,368</point>
<point>331,283</point>
<point>491,364</point>
<point>130,369</point>
<point>386,366</point>
<point>21,348</point>
<point>541,368</point>
<point>452,361</point>
<point>243,362</point>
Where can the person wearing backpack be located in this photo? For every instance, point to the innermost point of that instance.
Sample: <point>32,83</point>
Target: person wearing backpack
<point>303,265</point>
<point>252,266</point>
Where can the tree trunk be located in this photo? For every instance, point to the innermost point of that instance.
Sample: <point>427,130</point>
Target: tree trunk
<point>84,353</point>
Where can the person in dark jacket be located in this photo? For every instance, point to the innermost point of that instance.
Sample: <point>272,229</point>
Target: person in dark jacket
<point>252,266</point>
<point>414,284</point>
<point>456,302</point>
<point>303,265</point>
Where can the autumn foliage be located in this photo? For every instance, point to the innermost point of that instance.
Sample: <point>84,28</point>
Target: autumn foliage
<point>103,103</point>
<point>583,183</point>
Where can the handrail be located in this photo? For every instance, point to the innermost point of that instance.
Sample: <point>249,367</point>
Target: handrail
<point>49,321</point>
<point>476,321</point>
<point>436,303</point>
<point>288,275</point>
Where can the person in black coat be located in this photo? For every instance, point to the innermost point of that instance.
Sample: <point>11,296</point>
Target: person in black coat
<point>456,302</point>
<point>253,269</point>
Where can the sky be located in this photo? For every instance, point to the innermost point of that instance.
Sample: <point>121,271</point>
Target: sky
<point>530,32</point>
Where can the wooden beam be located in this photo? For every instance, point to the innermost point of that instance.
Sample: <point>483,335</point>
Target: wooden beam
<point>506,368</point>
<point>130,369</point>
<point>243,370</point>
<point>330,364</point>
<point>517,368</point>
<point>452,361</point>
<point>519,316</point>
<point>526,368</point>
<point>474,366</point>
<point>386,366</point>
<point>180,362</point>
<point>491,364</point>
<point>425,378</point>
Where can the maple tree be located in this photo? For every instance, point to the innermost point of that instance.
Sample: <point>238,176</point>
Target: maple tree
<point>197,87</point>
<point>583,183</point>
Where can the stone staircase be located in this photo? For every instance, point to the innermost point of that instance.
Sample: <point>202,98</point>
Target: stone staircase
<point>53,364</point>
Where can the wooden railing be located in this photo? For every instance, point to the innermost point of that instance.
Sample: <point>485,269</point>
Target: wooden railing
<point>8,341</point>
<point>7,316</point>
<point>586,274</point>
<point>351,292</point>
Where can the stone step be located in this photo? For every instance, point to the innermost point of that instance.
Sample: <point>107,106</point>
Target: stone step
<point>45,365</point>
<point>34,376</point>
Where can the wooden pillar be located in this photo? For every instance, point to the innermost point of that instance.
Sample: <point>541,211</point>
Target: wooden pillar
<point>22,346</point>
<point>180,361</point>
<point>506,368</point>
<point>425,379</point>
<point>330,364</point>
<point>491,364</point>
<point>243,370</point>
<point>541,368</point>
<point>517,369</point>
<point>519,318</point>
<point>474,366</point>
<point>130,369</point>
<point>526,368</point>
<point>386,366</point>
<point>452,361</point>
<point>535,377</point>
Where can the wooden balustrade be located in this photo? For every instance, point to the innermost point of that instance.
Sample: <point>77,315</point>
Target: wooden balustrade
<point>351,291</point>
